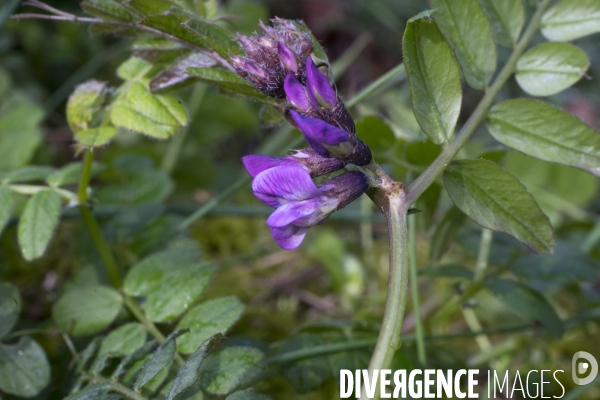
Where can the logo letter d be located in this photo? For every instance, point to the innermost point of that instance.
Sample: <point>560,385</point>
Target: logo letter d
<point>583,367</point>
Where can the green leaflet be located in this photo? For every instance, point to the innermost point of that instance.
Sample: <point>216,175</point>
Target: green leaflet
<point>10,307</point>
<point>38,222</point>
<point>224,370</point>
<point>507,18</point>
<point>550,68</point>
<point>472,42</point>
<point>434,79</point>
<point>571,19</point>
<point>496,200</point>
<point>540,130</point>
<point>24,368</point>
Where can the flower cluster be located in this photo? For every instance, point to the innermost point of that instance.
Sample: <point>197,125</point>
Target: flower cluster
<point>280,65</point>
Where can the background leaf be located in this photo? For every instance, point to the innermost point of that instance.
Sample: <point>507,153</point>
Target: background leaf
<point>37,223</point>
<point>20,134</point>
<point>27,174</point>
<point>434,79</point>
<point>528,304</point>
<point>468,31</point>
<point>247,394</point>
<point>507,18</point>
<point>496,200</point>
<point>161,358</point>
<point>545,132</point>
<point>87,310</point>
<point>571,19</point>
<point>10,307</point>
<point>550,68</point>
<point>207,319</point>
<point>224,370</point>
<point>24,368</point>
<point>7,203</point>
<point>70,174</point>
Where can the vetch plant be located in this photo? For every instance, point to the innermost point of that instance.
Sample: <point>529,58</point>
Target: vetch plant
<point>168,342</point>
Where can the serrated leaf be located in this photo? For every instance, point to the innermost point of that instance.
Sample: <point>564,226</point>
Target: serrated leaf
<point>189,373</point>
<point>172,280</point>
<point>230,81</point>
<point>10,307</point>
<point>468,31</point>
<point>444,233</point>
<point>96,137</point>
<point>20,134</point>
<point>207,319</point>
<point>70,174</point>
<point>215,37</point>
<point>87,310</point>
<point>224,370</point>
<point>37,223</point>
<point>545,132</point>
<point>24,368</point>
<point>7,203</point>
<point>124,340</point>
<point>176,74</point>
<point>106,9</point>
<point>528,304</point>
<point>434,79</point>
<point>550,68</point>
<point>26,174</point>
<point>507,18</point>
<point>161,358</point>
<point>496,200</point>
<point>571,19</point>
<point>247,394</point>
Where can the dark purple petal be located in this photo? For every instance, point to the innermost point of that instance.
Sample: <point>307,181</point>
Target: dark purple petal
<point>277,186</point>
<point>287,57</point>
<point>346,187</point>
<point>319,134</point>
<point>296,94</point>
<point>319,89</point>
<point>289,237</point>
<point>257,163</point>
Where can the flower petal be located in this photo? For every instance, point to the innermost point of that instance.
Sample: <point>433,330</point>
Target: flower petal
<point>294,210</point>
<point>257,163</point>
<point>319,89</point>
<point>276,186</point>
<point>296,94</point>
<point>287,57</point>
<point>319,134</point>
<point>289,237</point>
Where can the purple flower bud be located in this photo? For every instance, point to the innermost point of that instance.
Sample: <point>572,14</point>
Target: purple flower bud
<point>256,71</point>
<point>239,63</point>
<point>287,58</point>
<point>307,159</point>
<point>299,203</point>
<point>325,139</point>
<point>296,93</point>
<point>319,89</point>
<point>250,46</point>
<point>266,42</point>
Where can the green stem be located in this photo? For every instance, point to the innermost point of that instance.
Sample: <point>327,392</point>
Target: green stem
<point>485,244</point>
<point>86,176</point>
<point>389,335</point>
<point>437,167</point>
<point>114,386</point>
<point>396,74</point>
<point>414,288</point>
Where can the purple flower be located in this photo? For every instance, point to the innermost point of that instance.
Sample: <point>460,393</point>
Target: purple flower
<point>287,58</point>
<point>325,139</point>
<point>318,87</point>
<point>313,163</point>
<point>299,203</point>
<point>296,93</point>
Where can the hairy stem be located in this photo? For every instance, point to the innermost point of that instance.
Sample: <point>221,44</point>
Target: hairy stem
<point>389,336</point>
<point>437,167</point>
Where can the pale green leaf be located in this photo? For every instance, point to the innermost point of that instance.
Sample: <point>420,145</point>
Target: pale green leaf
<point>468,31</point>
<point>87,310</point>
<point>10,307</point>
<point>571,19</point>
<point>189,373</point>
<point>7,203</point>
<point>550,68</point>
<point>24,368</point>
<point>496,200</point>
<point>124,340</point>
<point>38,222</point>
<point>161,358</point>
<point>545,132</point>
<point>507,18</point>
<point>85,105</point>
<point>207,319</point>
<point>434,79</point>
<point>528,304</point>
<point>224,370</point>
<point>96,137</point>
